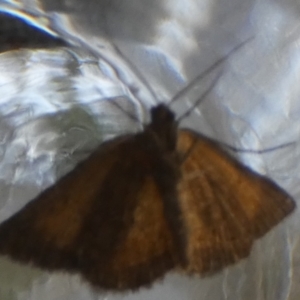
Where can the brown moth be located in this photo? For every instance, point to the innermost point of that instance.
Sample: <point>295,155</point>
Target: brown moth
<point>139,207</point>
<point>144,204</point>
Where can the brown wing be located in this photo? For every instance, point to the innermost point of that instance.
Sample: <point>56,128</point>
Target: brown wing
<point>225,205</point>
<point>44,231</point>
<point>104,220</point>
<point>139,252</point>
<point>125,241</point>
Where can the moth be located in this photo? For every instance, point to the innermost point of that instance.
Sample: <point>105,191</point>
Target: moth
<point>144,204</point>
<point>139,207</point>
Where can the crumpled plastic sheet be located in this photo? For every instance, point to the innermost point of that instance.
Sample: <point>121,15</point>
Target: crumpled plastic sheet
<point>55,109</point>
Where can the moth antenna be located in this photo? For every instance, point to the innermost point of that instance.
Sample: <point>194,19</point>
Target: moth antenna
<point>235,149</point>
<point>127,113</point>
<point>192,83</point>
<point>209,70</point>
<point>136,71</point>
<point>185,89</point>
<point>202,97</point>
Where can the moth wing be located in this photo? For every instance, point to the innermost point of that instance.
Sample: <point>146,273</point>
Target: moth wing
<point>44,231</point>
<point>126,241</point>
<point>225,205</point>
<point>104,220</point>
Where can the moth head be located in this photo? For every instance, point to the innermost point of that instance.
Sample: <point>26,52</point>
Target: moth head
<point>164,126</point>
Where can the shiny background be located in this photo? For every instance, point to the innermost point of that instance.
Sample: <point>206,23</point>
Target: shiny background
<point>55,108</point>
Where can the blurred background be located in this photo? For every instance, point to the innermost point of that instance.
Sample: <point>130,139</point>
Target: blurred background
<point>63,61</point>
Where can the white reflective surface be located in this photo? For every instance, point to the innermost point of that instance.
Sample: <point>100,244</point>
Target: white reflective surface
<point>55,109</point>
